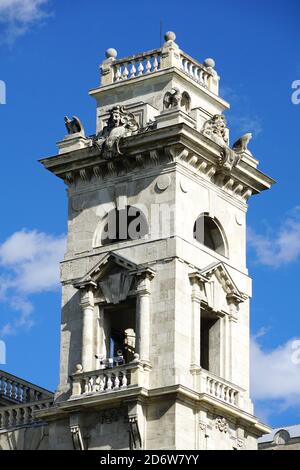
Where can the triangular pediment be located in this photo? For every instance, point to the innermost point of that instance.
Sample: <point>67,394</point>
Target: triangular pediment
<point>220,287</point>
<point>110,264</point>
<point>220,271</point>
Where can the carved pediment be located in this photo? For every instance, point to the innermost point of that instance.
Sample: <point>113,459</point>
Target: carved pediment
<point>113,275</point>
<point>219,288</point>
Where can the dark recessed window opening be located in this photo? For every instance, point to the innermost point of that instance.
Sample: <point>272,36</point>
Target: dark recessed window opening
<point>207,232</point>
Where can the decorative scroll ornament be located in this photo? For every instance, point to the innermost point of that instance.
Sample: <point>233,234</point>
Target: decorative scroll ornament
<point>135,441</point>
<point>120,124</point>
<point>76,437</point>
<point>221,424</point>
<point>228,158</point>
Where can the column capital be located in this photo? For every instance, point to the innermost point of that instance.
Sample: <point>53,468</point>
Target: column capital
<point>196,280</point>
<point>86,290</point>
<point>87,297</point>
<point>144,277</point>
<point>233,301</point>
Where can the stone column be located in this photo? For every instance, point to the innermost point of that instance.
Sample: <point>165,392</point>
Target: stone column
<point>197,280</point>
<point>87,305</point>
<point>233,303</point>
<point>143,314</point>
<point>195,320</point>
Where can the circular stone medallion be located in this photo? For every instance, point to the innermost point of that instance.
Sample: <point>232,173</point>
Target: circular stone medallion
<point>163,182</point>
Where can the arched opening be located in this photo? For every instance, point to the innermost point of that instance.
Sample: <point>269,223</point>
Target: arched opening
<point>207,232</point>
<point>281,437</point>
<point>124,224</point>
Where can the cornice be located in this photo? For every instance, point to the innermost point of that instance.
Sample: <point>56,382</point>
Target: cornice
<point>177,143</point>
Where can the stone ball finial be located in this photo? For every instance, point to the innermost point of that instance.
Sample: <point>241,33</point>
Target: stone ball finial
<point>136,358</point>
<point>79,369</point>
<point>209,63</point>
<point>170,36</point>
<point>111,53</point>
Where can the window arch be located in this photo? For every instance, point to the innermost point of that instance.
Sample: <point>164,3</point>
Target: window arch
<point>281,437</point>
<point>124,224</point>
<point>208,232</point>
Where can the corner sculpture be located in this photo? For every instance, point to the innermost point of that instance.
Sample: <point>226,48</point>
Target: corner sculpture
<point>216,129</point>
<point>241,145</point>
<point>120,124</point>
<point>176,99</point>
<point>74,125</point>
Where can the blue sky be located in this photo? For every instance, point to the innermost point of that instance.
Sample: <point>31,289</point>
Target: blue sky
<point>50,51</point>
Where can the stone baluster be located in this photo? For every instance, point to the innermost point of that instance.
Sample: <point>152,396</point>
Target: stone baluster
<point>109,381</point>
<point>11,418</point>
<point>18,416</point>
<point>2,419</point>
<point>9,388</point>
<point>102,383</point>
<point>118,74</point>
<point>14,390</point>
<point>132,70</point>
<point>125,71</point>
<point>140,69</point>
<point>124,379</point>
<point>148,65</point>
<point>155,63</point>
<point>117,381</point>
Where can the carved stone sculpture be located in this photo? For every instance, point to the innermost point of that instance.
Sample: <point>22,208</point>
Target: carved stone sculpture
<point>221,424</point>
<point>216,129</point>
<point>242,143</point>
<point>228,158</point>
<point>176,99</point>
<point>73,125</point>
<point>120,124</point>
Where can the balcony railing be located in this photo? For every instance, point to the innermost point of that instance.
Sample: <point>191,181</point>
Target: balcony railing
<point>106,380</point>
<point>21,415</point>
<point>220,388</point>
<point>195,70</point>
<point>137,65</point>
<point>169,55</point>
<point>15,390</point>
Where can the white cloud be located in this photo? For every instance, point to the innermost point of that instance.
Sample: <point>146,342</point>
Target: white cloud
<point>247,123</point>
<point>275,374</point>
<point>30,264</point>
<point>19,15</point>
<point>280,249</point>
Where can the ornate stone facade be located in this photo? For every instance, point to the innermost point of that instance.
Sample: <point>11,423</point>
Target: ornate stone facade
<point>155,306</point>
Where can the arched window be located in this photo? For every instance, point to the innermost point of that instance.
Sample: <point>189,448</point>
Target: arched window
<point>124,224</point>
<point>207,232</point>
<point>281,437</point>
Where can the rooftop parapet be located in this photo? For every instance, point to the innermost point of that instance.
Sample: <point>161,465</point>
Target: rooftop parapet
<point>115,70</point>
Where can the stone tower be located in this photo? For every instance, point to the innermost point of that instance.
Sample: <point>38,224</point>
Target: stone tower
<point>155,303</point>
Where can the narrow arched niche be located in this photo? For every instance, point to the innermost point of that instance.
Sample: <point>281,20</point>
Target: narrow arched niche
<point>207,231</point>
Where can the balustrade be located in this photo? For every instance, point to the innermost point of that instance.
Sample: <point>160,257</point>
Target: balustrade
<point>21,415</point>
<point>105,380</point>
<point>17,390</point>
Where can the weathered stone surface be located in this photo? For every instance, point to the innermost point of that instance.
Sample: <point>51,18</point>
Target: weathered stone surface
<point>186,385</point>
